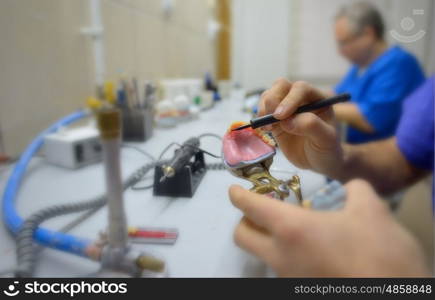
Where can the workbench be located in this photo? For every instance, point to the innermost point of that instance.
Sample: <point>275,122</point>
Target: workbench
<point>205,246</point>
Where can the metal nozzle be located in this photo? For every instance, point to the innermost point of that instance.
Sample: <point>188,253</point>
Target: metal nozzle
<point>109,123</point>
<point>168,172</point>
<point>150,263</point>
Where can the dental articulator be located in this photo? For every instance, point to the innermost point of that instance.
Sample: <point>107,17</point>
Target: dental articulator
<point>248,152</point>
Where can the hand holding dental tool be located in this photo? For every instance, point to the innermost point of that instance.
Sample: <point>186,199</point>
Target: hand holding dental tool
<point>270,119</point>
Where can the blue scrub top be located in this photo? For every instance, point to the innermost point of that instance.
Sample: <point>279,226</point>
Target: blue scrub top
<point>379,91</point>
<point>415,133</point>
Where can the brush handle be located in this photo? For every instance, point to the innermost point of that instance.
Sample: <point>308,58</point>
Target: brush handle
<point>324,103</point>
<point>270,119</point>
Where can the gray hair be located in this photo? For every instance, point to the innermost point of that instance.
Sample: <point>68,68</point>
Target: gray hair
<point>361,15</point>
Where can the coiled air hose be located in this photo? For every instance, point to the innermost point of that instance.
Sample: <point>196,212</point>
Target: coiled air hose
<point>29,231</point>
<point>14,222</point>
<point>215,166</point>
<point>26,256</point>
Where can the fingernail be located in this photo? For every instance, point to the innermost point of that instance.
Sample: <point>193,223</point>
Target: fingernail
<point>278,111</point>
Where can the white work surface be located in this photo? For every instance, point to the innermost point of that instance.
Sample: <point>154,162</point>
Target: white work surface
<point>206,222</point>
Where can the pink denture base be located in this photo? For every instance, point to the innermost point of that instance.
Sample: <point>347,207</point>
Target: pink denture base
<point>244,146</point>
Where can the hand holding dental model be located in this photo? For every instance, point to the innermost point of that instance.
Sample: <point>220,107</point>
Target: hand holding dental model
<point>363,239</point>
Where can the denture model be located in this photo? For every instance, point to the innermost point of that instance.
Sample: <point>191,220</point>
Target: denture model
<point>248,153</point>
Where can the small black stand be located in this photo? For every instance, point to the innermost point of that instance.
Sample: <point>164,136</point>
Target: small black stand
<point>184,183</point>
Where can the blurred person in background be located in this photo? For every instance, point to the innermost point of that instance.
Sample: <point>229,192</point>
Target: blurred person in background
<point>378,80</point>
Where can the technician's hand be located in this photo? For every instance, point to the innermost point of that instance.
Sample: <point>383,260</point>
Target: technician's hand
<point>308,140</point>
<point>363,239</point>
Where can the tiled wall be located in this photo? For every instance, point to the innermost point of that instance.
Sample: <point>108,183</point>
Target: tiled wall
<point>142,40</point>
<point>47,67</point>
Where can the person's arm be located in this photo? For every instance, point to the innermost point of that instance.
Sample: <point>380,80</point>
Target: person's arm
<point>350,114</point>
<point>381,163</point>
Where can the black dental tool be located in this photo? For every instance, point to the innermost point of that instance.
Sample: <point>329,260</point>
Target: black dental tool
<point>181,157</point>
<point>181,176</point>
<point>270,119</point>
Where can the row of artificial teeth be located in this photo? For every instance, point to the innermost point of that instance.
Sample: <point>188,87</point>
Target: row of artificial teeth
<point>266,138</point>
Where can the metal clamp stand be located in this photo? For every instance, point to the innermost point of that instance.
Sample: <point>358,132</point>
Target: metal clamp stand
<point>118,256</point>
